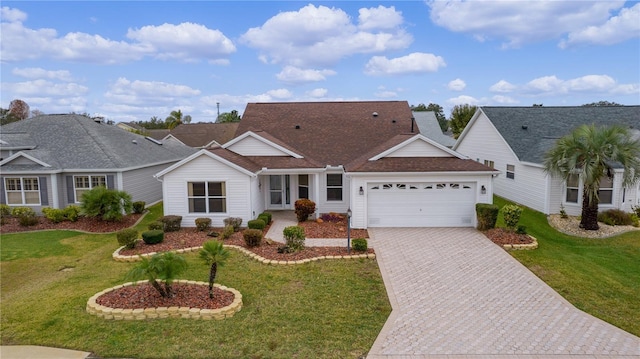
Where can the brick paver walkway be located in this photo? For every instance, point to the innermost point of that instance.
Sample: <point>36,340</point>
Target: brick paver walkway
<point>455,294</point>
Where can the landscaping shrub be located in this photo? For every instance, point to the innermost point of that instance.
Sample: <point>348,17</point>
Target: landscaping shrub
<point>106,204</point>
<point>359,244</point>
<point>138,206</point>
<point>127,237</point>
<point>294,237</point>
<point>26,216</point>
<point>615,217</point>
<point>265,219</point>
<point>5,210</point>
<point>511,214</point>
<point>304,208</point>
<point>227,232</point>
<point>256,224</point>
<point>55,215</point>
<point>268,215</point>
<point>153,237</point>
<point>332,217</point>
<point>252,237</point>
<point>203,224</point>
<point>72,212</point>
<point>28,221</point>
<point>521,229</point>
<point>172,223</point>
<point>636,209</point>
<point>157,225</point>
<point>635,221</point>
<point>487,215</point>
<point>234,222</point>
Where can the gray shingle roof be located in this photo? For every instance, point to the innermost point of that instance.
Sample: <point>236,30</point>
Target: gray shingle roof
<point>78,142</point>
<point>429,127</point>
<point>532,131</point>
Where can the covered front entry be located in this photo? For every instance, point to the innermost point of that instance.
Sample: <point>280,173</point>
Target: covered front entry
<point>284,190</point>
<point>442,204</point>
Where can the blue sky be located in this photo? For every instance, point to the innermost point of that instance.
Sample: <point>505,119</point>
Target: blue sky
<point>131,60</point>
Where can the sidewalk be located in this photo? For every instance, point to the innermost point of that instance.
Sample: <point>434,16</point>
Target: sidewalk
<point>38,352</point>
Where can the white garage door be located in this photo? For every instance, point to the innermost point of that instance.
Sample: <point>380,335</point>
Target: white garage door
<point>450,204</point>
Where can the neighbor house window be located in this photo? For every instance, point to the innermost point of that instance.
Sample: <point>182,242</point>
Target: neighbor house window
<point>489,163</point>
<point>573,188</point>
<point>22,190</point>
<point>511,171</point>
<point>605,192</point>
<point>83,184</point>
<point>207,197</point>
<point>334,186</point>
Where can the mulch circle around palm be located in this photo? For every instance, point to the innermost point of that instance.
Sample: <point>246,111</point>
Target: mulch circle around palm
<point>503,236</point>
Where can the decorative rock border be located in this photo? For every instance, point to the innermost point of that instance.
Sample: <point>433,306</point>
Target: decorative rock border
<point>120,258</point>
<point>527,246</point>
<point>109,313</point>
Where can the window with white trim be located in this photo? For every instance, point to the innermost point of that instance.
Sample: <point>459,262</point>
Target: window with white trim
<point>82,184</point>
<point>605,192</point>
<point>334,186</point>
<point>207,197</point>
<point>511,171</point>
<point>573,188</point>
<point>22,190</point>
<point>489,163</point>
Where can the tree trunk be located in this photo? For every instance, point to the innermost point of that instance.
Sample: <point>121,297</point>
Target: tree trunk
<point>212,277</point>
<point>169,290</point>
<point>589,219</point>
<point>157,286</point>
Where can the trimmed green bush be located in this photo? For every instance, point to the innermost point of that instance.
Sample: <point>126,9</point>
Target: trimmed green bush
<point>256,224</point>
<point>106,204</point>
<point>22,211</point>
<point>172,223</point>
<point>511,214</point>
<point>252,237</point>
<point>127,237</point>
<point>268,215</point>
<point>359,244</point>
<point>139,206</point>
<point>294,237</point>
<point>615,217</point>
<point>265,219</point>
<point>304,208</point>
<point>153,237</point>
<point>72,212</point>
<point>203,224</point>
<point>487,215</point>
<point>157,225</point>
<point>227,232</point>
<point>521,229</point>
<point>28,221</point>
<point>234,222</point>
<point>55,215</point>
<point>5,210</point>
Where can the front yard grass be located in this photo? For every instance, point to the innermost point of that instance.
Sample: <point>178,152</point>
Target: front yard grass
<point>599,276</point>
<point>329,309</point>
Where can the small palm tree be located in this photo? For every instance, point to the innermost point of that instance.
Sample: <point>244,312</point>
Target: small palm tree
<point>166,266</point>
<point>213,253</point>
<point>176,118</point>
<point>591,152</point>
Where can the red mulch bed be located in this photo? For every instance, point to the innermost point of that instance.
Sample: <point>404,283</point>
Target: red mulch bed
<point>502,236</point>
<point>313,229</point>
<point>85,224</point>
<point>186,295</point>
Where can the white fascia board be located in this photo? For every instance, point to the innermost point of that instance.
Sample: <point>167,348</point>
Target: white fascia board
<point>263,140</point>
<point>27,156</point>
<point>286,171</point>
<point>417,137</point>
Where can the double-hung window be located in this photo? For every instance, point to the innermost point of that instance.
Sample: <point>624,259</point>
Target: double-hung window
<point>605,192</point>
<point>22,190</point>
<point>489,163</point>
<point>334,186</point>
<point>511,171</point>
<point>207,197</point>
<point>82,184</point>
<point>573,188</point>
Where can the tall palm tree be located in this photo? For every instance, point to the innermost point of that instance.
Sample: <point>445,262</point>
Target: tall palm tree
<point>166,267</point>
<point>591,152</point>
<point>176,118</point>
<point>213,253</point>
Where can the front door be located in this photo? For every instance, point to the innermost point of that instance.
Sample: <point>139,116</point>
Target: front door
<point>279,191</point>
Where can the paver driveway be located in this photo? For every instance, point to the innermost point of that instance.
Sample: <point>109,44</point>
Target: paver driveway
<point>454,292</point>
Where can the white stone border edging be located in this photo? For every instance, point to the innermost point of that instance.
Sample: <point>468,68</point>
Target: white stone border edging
<point>109,313</point>
<point>120,258</point>
<point>528,246</point>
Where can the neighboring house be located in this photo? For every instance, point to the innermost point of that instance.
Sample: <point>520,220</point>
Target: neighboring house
<point>202,135</point>
<point>514,140</point>
<point>50,160</point>
<point>130,126</point>
<point>429,126</point>
<point>361,156</point>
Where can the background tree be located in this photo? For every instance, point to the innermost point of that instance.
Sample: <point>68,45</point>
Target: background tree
<point>36,112</point>
<point>439,112</point>
<point>460,116</point>
<point>601,104</point>
<point>19,109</point>
<point>176,118</point>
<point>590,151</point>
<point>227,117</point>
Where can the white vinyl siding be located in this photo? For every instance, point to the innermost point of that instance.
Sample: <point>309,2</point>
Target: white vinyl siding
<point>250,146</point>
<point>419,149</point>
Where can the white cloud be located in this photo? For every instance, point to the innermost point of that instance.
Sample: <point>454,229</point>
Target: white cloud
<point>504,100</point>
<point>186,41</point>
<point>416,62</point>
<point>149,92</point>
<point>502,86</point>
<point>292,74</point>
<point>320,36</point>
<point>457,85</point>
<point>386,94</point>
<point>379,18</point>
<point>280,94</point>
<point>617,29</point>
<point>318,93</point>
<point>601,84</point>
<point>12,15</point>
<point>519,22</point>
<point>39,73</point>
<point>463,99</point>
<point>43,88</point>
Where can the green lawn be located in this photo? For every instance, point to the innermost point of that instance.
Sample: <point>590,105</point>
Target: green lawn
<point>329,309</point>
<point>599,276</point>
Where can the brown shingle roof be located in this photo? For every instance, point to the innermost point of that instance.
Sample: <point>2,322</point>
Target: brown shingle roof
<point>420,164</point>
<point>201,134</point>
<point>330,133</point>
